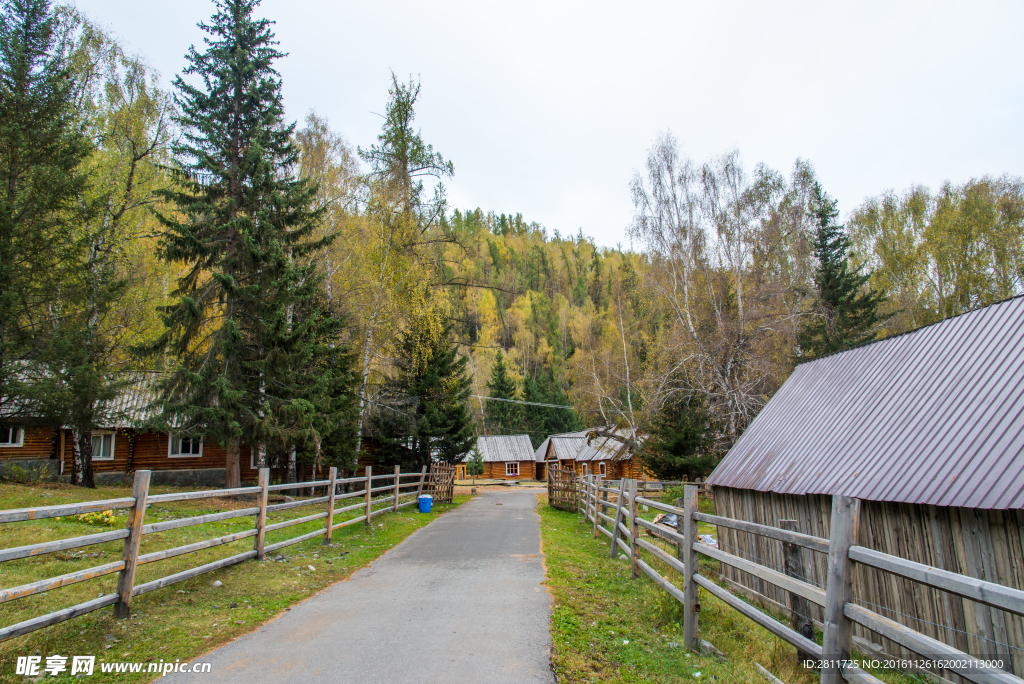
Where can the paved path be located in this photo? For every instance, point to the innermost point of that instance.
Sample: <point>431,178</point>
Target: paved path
<point>458,601</point>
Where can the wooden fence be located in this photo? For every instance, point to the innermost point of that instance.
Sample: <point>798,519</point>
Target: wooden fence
<point>614,512</point>
<point>371,494</point>
<point>562,488</point>
<point>441,482</point>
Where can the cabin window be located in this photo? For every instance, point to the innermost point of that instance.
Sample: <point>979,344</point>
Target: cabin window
<point>602,468</point>
<point>103,446</point>
<point>512,468</point>
<point>11,437</point>
<point>185,447</point>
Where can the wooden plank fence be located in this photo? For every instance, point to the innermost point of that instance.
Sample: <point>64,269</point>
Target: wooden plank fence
<point>136,529</point>
<point>561,487</point>
<point>441,482</point>
<point>613,510</point>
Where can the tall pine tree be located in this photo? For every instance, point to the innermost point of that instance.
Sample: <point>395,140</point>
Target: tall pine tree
<point>679,445</point>
<point>427,417</point>
<point>502,417</point>
<point>247,329</point>
<point>42,148</point>
<point>541,421</point>
<point>846,313</point>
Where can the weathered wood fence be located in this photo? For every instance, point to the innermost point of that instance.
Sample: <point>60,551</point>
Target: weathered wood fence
<point>441,482</point>
<point>371,500</point>
<point>613,508</point>
<point>562,488</point>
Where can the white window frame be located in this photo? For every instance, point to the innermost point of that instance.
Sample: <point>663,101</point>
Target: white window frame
<point>602,468</point>
<point>509,465</point>
<point>113,443</point>
<point>170,445</point>
<point>19,438</point>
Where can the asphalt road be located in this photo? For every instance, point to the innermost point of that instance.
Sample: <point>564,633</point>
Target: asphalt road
<point>460,600</point>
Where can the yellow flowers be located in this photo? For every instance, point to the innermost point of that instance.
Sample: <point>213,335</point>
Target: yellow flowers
<point>100,518</point>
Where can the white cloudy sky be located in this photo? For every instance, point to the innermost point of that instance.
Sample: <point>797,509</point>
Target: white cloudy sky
<point>548,108</point>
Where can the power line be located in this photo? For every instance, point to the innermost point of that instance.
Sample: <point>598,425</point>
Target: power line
<point>526,403</point>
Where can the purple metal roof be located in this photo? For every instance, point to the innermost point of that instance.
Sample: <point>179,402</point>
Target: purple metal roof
<point>933,416</point>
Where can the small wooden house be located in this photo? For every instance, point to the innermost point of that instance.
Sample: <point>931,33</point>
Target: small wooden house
<point>506,457</point>
<point>927,430</point>
<point>126,444</point>
<point>603,455</point>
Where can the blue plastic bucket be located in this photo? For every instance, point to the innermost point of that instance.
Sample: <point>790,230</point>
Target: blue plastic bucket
<point>425,501</point>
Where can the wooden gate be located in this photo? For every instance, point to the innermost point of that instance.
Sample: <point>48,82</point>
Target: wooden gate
<point>441,482</point>
<point>562,488</point>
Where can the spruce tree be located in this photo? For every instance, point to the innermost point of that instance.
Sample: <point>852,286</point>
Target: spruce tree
<point>427,417</point>
<point>679,445</point>
<point>541,421</point>
<point>42,148</point>
<point>246,328</point>
<point>502,417</point>
<point>847,308</point>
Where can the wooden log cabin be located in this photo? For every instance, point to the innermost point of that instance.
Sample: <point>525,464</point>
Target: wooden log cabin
<point>927,430</point>
<point>127,444</point>
<point>605,456</point>
<point>506,457</point>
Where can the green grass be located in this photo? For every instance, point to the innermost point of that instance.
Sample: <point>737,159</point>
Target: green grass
<point>598,608</point>
<point>192,617</point>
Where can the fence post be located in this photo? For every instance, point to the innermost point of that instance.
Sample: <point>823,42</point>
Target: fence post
<point>577,485</point>
<point>838,637</point>
<point>691,607</point>
<point>618,518</point>
<point>130,553</point>
<point>369,486</point>
<point>397,473</point>
<point>597,496</point>
<point>261,517</point>
<point>799,607</point>
<point>634,529</point>
<point>333,477</point>
<point>419,490</point>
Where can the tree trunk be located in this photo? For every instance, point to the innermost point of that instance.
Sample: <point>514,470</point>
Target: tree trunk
<point>233,474</point>
<point>76,459</point>
<point>85,451</point>
<point>291,477</point>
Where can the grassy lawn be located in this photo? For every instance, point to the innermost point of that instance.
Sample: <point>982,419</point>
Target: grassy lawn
<point>607,627</point>
<point>192,617</point>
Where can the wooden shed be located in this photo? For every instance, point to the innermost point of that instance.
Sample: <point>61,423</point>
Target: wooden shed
<point>927,430</point>
<point>507,457</point>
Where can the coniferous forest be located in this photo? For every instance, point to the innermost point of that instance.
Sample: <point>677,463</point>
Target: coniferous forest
<point>301,294</point>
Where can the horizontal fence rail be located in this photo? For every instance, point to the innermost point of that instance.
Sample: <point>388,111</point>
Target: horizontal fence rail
<point>613,509</point>
<point>404,489</point>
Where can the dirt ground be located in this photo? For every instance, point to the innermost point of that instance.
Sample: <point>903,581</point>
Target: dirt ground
<point>465,486</point>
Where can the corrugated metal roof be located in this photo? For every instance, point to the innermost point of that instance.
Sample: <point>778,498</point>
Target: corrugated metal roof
<point>505,448</point>
<point>134,406</point>
<point>933,416</point>
<point>606,448</point>
<point>567,445</point>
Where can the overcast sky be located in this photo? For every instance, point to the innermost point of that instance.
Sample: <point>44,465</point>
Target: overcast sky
<point>548,108</point>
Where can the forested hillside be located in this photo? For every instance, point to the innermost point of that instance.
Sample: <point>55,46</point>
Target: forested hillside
<point>301,294</point>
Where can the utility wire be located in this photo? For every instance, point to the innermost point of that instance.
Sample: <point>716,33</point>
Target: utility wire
<point>516,401</point>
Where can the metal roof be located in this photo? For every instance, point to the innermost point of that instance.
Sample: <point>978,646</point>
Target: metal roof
<point>567,445</point>
<point>504,448</point>
<point>134,406</point>
<point>932,416</point>
<point>606,448</point>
